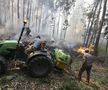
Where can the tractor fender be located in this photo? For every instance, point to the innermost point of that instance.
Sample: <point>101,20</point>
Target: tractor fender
<point>36,54</point>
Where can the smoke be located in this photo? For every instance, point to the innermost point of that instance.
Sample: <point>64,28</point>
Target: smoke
<point>45,13</point>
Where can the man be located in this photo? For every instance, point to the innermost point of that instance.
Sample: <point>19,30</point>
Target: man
<point>86,66</point>
<point>28,31</point>
<point>37,43</point>
<point>27,36</point>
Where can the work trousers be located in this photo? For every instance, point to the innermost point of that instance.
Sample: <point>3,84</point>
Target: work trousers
<point>86,68</point>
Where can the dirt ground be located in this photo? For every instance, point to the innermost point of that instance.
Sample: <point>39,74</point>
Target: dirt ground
<point>19,80</point>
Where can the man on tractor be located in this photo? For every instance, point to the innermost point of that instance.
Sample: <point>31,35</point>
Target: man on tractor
<point>37,44</point>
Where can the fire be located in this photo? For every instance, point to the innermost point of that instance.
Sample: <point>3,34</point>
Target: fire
<point>81,49</point>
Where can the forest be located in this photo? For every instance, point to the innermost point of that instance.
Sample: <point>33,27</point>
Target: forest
<point>44,44</point>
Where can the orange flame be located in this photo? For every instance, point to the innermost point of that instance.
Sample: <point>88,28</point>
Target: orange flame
<point>81,49</point>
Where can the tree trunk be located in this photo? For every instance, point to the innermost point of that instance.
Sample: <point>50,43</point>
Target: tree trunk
<point>53,33</point>
<point>28,4</point>
<point>58,26</point>
<point>91,24</point>
<point>96,25</point>
<point>100,28</point>
<point>12,11</point>
<point>18,9</point>
<point>23,9</point>
<point>37,11</point>
<point>40,17</point>
<point>30,9</point>
<point>106,50</point>
<point>5,11</point>
<point>86,32</point>
<point>36,19</point>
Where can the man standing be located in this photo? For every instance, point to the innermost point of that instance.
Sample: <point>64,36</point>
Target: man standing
<point>86,66</point>
<point>28,31</point>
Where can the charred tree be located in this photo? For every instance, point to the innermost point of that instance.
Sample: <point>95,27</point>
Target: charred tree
<point>91,24</point>
<point>100,28</point>
<point>95,26</point>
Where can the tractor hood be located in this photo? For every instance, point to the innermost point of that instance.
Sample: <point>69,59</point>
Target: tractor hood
<point>6,45</point>
<point>8,41</point>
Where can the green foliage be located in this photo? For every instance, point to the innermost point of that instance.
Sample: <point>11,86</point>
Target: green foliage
<point>70,85</point>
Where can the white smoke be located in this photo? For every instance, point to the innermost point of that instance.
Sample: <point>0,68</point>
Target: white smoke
<point>73,34</point>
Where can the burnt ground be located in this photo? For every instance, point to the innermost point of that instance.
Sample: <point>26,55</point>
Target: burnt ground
<point>18,80</point>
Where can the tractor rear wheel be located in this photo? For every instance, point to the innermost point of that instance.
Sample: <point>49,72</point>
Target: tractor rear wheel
<point>39,66</point>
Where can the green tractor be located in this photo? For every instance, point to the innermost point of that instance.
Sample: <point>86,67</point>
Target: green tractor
<point>12,55</point>
<point>38,63</point>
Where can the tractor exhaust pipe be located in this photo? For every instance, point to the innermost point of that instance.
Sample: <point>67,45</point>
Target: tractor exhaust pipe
<point>24,23</point>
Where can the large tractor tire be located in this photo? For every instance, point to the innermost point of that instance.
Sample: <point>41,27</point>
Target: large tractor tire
<point>39,66</point>
<point>2,65</point>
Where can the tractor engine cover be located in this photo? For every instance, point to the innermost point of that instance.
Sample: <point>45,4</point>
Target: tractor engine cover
<point>7,46</point>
